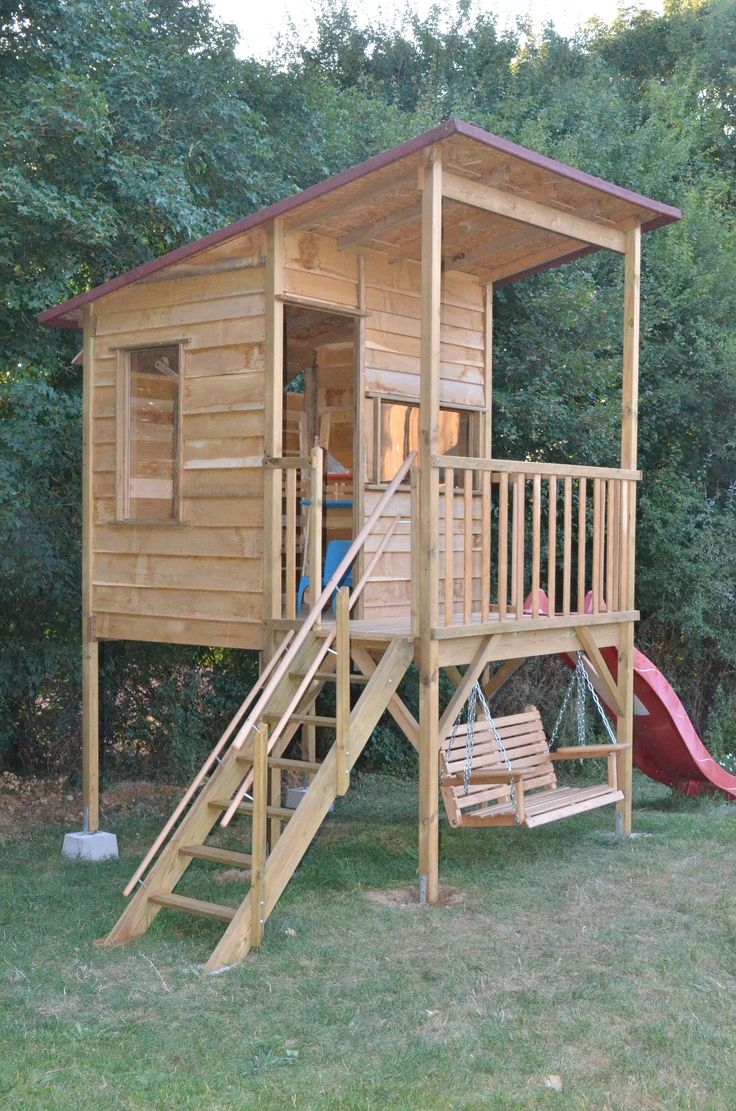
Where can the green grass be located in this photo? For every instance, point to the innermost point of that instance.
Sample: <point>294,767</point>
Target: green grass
<point>609,963</point>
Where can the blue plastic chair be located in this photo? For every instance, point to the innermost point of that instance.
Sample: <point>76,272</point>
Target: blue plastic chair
<point>336,552</point>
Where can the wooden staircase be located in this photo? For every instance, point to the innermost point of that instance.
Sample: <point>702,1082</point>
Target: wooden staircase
<point>235,777</point>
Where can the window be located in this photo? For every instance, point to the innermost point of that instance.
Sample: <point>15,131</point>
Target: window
<point>151,406</point>
<point>398,434</point>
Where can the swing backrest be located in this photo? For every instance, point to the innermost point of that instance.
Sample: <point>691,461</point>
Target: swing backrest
<point>527,749</point>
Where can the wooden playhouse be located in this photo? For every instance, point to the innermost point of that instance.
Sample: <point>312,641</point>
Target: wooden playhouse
<point>302,401</point>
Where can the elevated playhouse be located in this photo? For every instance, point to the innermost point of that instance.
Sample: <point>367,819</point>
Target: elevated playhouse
<point>302,401</point>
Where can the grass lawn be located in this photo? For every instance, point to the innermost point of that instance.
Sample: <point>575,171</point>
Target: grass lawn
<point>567,953</point>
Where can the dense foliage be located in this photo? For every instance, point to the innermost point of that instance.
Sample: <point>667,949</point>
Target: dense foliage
<point>130,128</point>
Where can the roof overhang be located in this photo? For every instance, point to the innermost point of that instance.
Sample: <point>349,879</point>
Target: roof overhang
<point>379,207</point>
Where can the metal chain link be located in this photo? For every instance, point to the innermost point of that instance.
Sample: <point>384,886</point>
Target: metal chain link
<point>501,747</point>
<point>599,707</point>
<point>565,703</point>
<point>580,699</point>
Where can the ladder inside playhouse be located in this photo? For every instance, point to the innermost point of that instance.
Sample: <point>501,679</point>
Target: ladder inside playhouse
<point>234,780</point>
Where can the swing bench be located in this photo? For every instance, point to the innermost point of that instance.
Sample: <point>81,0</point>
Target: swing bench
<point>501,772</point>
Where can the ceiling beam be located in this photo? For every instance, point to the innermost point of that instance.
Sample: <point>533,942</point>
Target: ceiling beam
<point>530,212</point>
<point>519,264</point>
<point>369,192</point>
<point>376,228</point>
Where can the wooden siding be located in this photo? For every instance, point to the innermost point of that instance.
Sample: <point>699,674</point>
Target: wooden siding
<point>198,581</point>
<point>201,581</point>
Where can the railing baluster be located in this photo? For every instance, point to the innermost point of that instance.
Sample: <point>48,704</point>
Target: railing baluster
<point>552,547</point>
<point>607,569</point>
<point>414,541</point>
<point>517,546</point>
<point>596,558</point>
<point>536,540</point>
<point>485,546</point>
<point>614,552</point>
<point>503,544</point>
<point>567,549</point>
<point>582,524</point>
<point>628,583</point>
<point>291,544</point>
<point>449,545</point>
<point>468,548</point>
<point>601,576</point>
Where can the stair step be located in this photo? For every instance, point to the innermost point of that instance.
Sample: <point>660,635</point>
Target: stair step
<point>217,856</point>
<point>294,765</point>
<point>247,808</point>
<point>329,676</point>
<point>285,763</point>
<point>304,719</point>
<point>195,906</point>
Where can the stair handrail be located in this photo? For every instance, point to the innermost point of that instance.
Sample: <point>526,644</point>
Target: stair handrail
<point>314,615</point>
<point>206,767</point>
<point>316,611</point>
<point>276,668</point>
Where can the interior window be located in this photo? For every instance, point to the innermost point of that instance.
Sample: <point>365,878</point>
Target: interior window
<point>153,433</point>
<point>399,434</point>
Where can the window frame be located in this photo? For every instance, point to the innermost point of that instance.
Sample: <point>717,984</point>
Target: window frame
<point>122,434</point>
<point>378,399</point>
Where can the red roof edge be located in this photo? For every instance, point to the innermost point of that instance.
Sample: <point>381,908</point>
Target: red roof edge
<point>58,316</point>
<point>377,162</point>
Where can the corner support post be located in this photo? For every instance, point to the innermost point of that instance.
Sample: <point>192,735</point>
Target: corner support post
<point>427,585</point>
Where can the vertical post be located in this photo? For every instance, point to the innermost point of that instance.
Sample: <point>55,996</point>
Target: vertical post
<point>582,527</point>
<point>273,429</point>
<point>359,402</point>
<point>90,647</point>
<point>315,538</point>
<point>625,725</point>
<point>428,601</point>
<point>342,694</point>
<point>258,832</point>
<point>486,451</point>
<point>629,432</point>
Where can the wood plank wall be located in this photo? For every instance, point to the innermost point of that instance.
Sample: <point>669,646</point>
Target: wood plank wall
<point>198,582</point>
<point>201,582</point>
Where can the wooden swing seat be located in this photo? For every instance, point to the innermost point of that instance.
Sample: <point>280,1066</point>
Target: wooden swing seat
<point>489,800</point>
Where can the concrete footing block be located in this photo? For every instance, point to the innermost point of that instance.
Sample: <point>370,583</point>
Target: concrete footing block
<point>90,846</point>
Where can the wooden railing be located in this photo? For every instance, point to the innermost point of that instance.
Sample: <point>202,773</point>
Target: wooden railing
<point>527,539</point>
<point>301,549</point>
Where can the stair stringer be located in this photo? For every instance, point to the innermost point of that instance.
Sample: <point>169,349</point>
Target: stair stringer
<point>200,819</point>
<point>236,942</point>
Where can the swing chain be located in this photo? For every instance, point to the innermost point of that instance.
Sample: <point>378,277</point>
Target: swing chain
<point>580,699</point>
<point>581,683</point>
<point>599,707</point>
<point>501,748</point>
<point>565,703</point>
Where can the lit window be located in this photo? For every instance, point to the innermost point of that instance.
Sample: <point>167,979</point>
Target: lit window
<point>151,462</point>
<point>399,434</point>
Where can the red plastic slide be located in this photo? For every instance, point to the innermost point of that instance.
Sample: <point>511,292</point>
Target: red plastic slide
<point>666,746</point>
